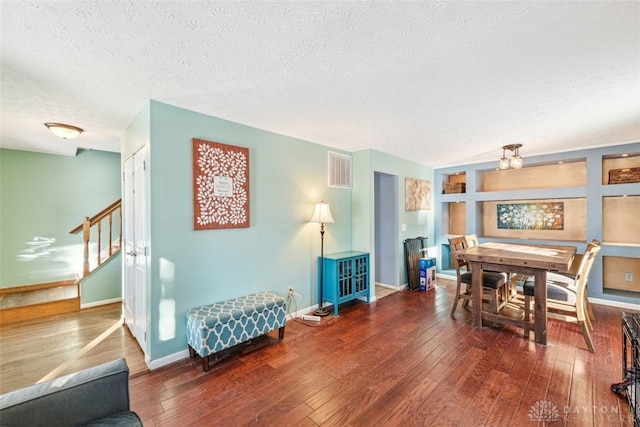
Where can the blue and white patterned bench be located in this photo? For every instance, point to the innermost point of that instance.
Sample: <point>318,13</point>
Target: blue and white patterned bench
<point>215,327</point>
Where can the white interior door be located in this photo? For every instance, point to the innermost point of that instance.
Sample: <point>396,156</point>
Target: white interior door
<point>135,257</point>
<point>128,259</point>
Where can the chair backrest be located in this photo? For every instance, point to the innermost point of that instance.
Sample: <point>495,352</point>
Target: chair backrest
<point>471,240</point>
<point>582,275</point>
<point>456,244</point>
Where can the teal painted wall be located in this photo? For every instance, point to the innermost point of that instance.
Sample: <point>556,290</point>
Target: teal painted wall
<point>44,196</point>
<point>418,223</point>
<point>287,178</point>
<point>105,284</point>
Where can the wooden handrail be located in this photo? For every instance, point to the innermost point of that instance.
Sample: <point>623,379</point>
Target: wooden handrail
<point>90,222</point>
<point>100,215</point>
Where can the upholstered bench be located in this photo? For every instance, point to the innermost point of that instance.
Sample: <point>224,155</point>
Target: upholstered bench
<point>216,327</point>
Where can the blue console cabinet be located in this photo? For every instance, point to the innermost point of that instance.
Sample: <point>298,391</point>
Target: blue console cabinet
<point>346,277</point>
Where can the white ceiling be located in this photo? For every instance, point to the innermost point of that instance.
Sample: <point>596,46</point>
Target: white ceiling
<point>440,83</point>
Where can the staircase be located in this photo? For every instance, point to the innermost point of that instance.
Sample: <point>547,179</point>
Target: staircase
<point>102,240</point>
<point>103,250</point>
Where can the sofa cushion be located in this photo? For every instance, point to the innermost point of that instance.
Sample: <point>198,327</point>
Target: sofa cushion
<point>71,400</point>
<point>121,419</point>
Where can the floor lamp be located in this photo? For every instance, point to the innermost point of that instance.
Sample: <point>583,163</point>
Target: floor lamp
<point>322,215</point>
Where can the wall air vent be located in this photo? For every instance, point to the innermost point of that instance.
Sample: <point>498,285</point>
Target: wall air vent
<point>339,170</point>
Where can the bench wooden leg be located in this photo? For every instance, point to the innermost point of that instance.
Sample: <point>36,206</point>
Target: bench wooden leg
<point>192,353</point>
<point>281,332</point>
<point>205,363</point>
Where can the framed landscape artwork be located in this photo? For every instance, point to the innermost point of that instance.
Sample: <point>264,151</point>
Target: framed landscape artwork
<point>220,185</point>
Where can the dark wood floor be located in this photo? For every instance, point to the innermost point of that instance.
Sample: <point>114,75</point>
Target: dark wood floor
<point>399,361</point>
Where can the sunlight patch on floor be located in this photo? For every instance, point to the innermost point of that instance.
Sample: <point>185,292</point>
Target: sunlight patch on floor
<point>83,350</point>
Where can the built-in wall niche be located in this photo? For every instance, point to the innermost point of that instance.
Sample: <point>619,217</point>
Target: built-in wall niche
<point>544,219</point>
<point>620,220</point>
<point>621,169</point>
<point>621,273</point>
<point>454,183</point>
<point>559,175</point>
<point>458,218</point>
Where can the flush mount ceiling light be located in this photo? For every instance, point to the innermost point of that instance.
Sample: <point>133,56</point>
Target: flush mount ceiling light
<point>64,131</point>
<point>516,160</point>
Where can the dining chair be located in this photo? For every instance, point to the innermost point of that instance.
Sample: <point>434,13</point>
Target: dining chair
<point>577,260</point>
<point>471,240</point>
<point>567,297</point>
<point>493,283</point>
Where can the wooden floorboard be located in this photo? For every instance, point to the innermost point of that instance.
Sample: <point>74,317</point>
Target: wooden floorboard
<point>46,348</point>
<point>401,361</point>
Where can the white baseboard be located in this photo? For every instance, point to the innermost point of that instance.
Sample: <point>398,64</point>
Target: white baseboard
<point>617,304</point>
<point>167,360</point>
<point>99,303</point>
<point>184,354</point>
<point>384,285</point>
<point>301,311</point>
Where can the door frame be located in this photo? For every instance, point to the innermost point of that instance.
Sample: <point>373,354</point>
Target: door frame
<point>386,226</point>
<point>134,234</point>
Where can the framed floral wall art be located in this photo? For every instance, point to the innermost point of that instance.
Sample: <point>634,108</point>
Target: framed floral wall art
<point>220,185</point>
<point>531,216</point>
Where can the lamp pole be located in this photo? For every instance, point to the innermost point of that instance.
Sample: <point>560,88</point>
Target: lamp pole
<point>321,311</point>
<point>321,215</point>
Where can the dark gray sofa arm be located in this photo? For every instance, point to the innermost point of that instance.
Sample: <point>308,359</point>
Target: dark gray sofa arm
<point>77,399</point>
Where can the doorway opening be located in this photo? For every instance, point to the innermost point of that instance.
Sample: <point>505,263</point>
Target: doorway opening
<point>386,234</point>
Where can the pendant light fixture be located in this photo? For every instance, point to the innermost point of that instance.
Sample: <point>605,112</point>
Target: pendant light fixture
<point>516,160</point>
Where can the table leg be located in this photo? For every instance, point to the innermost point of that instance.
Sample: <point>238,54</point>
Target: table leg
<point>476,293</point>
<point>540,300</point>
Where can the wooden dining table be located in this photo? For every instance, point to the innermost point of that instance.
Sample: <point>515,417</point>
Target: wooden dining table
<point>525,259</point>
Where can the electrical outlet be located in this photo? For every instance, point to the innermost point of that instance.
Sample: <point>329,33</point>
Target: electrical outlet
<point>290,292</point>
<point>628,277</point>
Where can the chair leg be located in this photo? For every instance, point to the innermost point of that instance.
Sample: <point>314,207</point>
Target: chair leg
<point>589,310</point>
<point>496,300</point>
<point>455,306</point>
<point>467,291</point>
<point>500,298</point>
<point>587,320</point>
<point>456,298</point>
<point>587,336</point>
<point>527,313</point>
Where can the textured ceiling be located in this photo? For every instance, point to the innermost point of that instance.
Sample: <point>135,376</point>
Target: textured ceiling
<point>441,83</point>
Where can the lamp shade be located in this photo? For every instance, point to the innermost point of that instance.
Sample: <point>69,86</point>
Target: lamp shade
<point>322,214</point>
<point>516,162</point>
<point>64,131</point>
<point>504,163</point>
